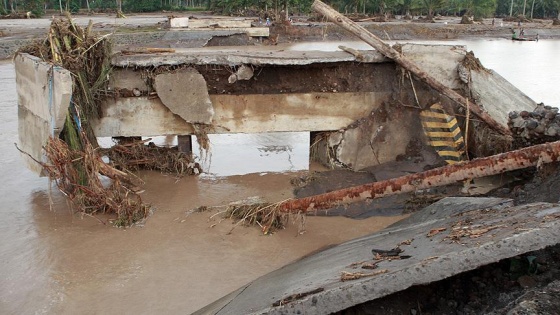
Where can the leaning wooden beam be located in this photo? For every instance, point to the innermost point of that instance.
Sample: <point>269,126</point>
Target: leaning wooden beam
<point>391,53</point>
<point>496,164</point>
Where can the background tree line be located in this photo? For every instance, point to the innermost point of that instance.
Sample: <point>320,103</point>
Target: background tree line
<point>476,8</point>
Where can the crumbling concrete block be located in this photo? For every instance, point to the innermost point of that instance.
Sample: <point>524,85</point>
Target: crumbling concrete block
<point>179,22</point>
<point>185,93</point>
<point>243,73</point>
<point>44,93</point>
<point>374,140</point>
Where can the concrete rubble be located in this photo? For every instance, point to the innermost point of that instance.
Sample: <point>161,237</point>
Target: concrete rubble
<point>536,126</point>
<point>185,93</point>
<point>449,237</point>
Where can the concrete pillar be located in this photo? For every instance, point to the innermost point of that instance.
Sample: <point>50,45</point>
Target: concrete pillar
<point>184,143</point>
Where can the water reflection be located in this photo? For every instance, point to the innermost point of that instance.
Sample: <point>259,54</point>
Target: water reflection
<point>238,154</point>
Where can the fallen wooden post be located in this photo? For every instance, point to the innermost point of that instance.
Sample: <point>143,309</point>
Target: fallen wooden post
<point>389,52</point>
<point>496,164</point>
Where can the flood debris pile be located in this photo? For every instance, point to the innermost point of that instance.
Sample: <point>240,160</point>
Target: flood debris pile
<point>86,56</point>
<point>79,174</point>
<point>74,162</point>
<point>266,215</point>
<point>255,211</point>
<point>136,156</point>
<point>539,126</point>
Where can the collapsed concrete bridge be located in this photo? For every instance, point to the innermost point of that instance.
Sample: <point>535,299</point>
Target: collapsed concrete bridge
<point>364,100</point>
<point>368,109</point>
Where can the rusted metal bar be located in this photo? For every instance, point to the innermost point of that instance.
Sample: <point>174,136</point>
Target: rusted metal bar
<point>496,164</point>
<point>389,52</point>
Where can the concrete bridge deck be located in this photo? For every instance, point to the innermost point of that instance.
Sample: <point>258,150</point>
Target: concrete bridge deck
<point>239,90</point>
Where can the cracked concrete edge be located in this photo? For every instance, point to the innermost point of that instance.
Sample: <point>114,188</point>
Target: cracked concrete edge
<point>232,58</point>
<point>340,295</point>
<point>361,291</point>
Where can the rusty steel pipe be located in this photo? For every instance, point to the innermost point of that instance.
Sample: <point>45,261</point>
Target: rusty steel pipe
<point>496,164</point>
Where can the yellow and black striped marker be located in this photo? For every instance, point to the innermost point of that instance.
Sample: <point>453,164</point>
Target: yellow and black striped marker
<point>443,133</point>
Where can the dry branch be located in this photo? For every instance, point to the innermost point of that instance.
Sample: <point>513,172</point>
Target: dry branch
<point>389,52</point>
<point>496,164</point>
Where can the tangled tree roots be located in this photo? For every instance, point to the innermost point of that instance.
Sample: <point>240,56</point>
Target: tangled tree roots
<point>135,156</point>
<point>79,175</point>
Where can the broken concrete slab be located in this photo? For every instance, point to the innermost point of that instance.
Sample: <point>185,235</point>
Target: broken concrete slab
<point>178,22</point>
<point>185,93</point>
<point>381,138</point>
<point>377,140</point>
<point>238,113</point>
<point>219,23</point>
<point>244,72</point>
<point>499,96</point>
<point>465,239</point>
<point>440,61</point>
<point>237,57</point>
<point>452,206</point>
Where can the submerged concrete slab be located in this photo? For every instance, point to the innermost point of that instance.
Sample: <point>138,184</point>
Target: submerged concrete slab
<point>44,93</point>
<point>472,232</point>
<point>185,93</point>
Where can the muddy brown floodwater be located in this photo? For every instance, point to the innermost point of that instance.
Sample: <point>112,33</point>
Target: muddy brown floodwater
<point>53,261</point>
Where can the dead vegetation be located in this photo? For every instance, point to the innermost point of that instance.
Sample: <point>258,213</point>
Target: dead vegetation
<point>348,276</point>
<point>266,215</point>
<point>74,162</point>
<point>296,296</point>
<point>138,156</point>
<point>93,186</point>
